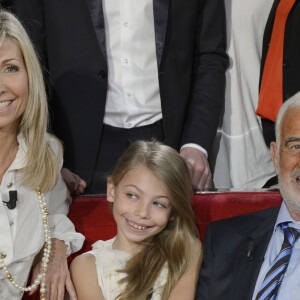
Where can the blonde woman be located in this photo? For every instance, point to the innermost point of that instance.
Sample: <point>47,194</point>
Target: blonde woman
<point>155,254</point>
<point>33,197</point>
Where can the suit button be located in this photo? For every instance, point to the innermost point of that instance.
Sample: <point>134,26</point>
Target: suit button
<point>102,74</point>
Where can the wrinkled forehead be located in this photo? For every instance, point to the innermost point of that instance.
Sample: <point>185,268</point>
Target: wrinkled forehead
<point>290,126</point>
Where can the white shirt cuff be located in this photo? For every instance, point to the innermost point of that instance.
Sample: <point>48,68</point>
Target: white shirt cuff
<point>192,145</point>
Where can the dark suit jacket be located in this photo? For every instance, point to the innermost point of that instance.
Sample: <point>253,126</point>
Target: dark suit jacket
<point>291,59</point>
<point>229,270</point>
<point>190,46</point>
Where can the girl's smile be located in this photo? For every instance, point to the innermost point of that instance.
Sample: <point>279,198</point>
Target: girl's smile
<point>137,226</point>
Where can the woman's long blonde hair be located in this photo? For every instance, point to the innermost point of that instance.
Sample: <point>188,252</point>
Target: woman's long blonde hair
<point>173,245</point>
<point>42,167</point>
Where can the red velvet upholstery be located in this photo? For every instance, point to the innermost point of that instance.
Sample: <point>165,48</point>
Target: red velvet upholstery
<point>216,206</point>
<point>92,214</point>
<point>93,218</point>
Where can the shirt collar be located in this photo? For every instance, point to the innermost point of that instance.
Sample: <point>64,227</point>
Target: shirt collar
<point>285,216</point>
<point>20,160</point>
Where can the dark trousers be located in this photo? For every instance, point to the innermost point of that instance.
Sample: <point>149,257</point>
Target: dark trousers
<point>114,142</point>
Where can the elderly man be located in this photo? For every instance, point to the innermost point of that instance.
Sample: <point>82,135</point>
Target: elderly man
<point>256,256</point>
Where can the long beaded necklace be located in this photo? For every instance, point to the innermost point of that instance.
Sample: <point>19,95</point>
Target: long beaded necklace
<point>41,278</point>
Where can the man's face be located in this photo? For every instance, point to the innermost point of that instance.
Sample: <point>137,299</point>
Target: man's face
<point>287,161</point>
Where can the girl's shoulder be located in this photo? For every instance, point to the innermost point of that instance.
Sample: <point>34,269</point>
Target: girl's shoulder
<point>198,251</point>
<point>84,264</point>
<point>107,262</point>
<point>83,259</point>
<point>107,258</point>
<point>84,276</point>
<point>197,245</point>
<point>195,250</point>
<point>103,244</point>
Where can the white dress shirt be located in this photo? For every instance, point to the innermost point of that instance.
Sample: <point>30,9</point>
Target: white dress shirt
<point>21,229</point>
<point>133,97</point>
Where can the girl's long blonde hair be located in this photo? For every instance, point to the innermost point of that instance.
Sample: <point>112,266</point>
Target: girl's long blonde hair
<point>173,245</point>
<point>42,167</point>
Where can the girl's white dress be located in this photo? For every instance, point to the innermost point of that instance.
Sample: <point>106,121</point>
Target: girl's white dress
<point>109,260</point>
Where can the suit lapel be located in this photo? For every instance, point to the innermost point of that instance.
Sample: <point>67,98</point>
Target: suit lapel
<point>270,21</point>
<point>247,269</point>
<point>271,18</point>
<point>95,9</point>
<point>160,11</point>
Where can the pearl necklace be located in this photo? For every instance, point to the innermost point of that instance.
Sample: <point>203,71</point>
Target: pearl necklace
<point>41,278</point>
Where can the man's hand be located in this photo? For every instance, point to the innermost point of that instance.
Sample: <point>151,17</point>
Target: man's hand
<point>75,184</point>
<point>57,276</point>
<point>198,167</point>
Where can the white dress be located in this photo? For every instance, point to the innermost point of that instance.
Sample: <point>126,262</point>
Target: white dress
<point>242,158</point>
<point>21,229</point>
<point>109,260</point>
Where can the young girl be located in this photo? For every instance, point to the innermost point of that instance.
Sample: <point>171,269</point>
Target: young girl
<point>155,254</point>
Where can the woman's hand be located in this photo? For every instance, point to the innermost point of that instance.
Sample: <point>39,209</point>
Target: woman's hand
<point>57,276</point>
<point>74,183</point>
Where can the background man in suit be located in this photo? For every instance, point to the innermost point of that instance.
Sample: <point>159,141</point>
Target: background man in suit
<point>290,60</point>
<point>122,70</point>
<point>240,251</point>
<point>280,65</point>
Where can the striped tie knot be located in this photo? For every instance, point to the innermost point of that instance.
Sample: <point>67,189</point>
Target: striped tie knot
<point>291,234</point>
<point>274,277</point>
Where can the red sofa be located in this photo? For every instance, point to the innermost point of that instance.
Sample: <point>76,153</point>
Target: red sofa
<point>93,218</point>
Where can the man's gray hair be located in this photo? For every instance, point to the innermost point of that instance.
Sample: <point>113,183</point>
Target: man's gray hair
<point>293,102</point>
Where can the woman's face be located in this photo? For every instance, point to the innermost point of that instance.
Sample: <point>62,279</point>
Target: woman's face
<point>13,85</point>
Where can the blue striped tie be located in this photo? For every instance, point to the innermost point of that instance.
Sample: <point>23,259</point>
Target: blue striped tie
<point>273,279</point>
